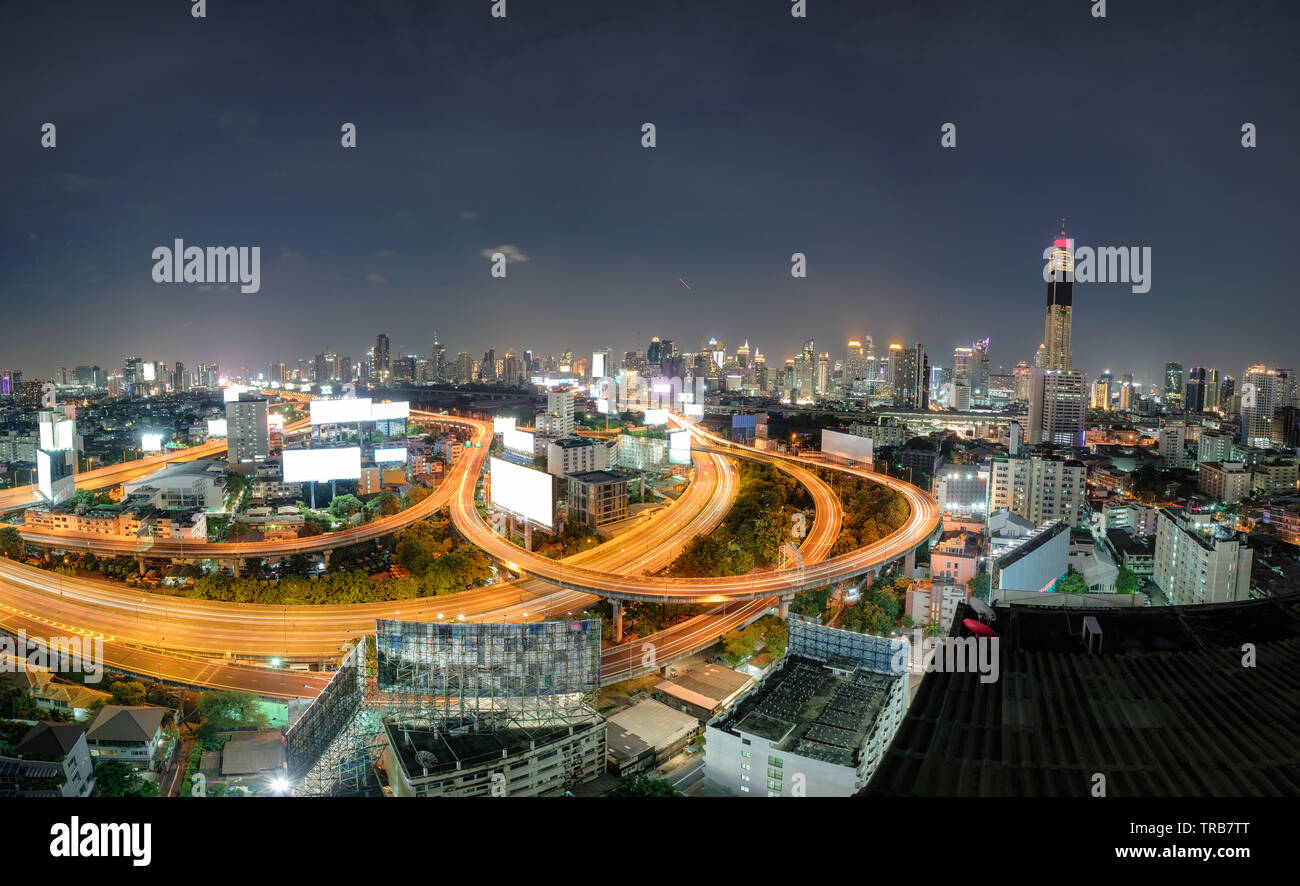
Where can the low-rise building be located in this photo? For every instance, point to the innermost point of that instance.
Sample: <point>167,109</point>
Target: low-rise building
<point>645,735</point>
<point>703,692</point>
<point>131,734</point>
<point>597,498</point>
<point>63,744</point>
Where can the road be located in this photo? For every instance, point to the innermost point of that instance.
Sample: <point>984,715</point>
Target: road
<point>923,520</point>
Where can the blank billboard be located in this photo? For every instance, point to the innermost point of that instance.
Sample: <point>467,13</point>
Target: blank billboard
<point>275,422</point>
<point>150,442</point>
<point>231,392</point>
<point>44,474</point>
<point>848,446</point>
<point>328,412</point>
<point>389,411</point>
<point>523,491</point>
<point>656,417</point>
<point>519,441</point>
<point>679,447</point>
<point>321,465</point>
<point>392,454</point>
<point>598,365</point>
<point>695,410</point>
<point>217,427</point>
<point>502,424</point>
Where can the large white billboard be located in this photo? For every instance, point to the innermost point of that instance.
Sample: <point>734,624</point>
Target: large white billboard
<point>217,427</point>
<point>598,367</point>
<point>502,424</point>
<point>149,372</point>
<point>656,417</point>
<point>519,441</point>
<point>389,411</point>
<point>391,454</point>
<point>847,446</point>
<point>44,474</point>
<point>151,442</point>
<point>328,412</point>
<point>523,491</point>
<point>321,465</point>
<point>232,392</point>
<point>679,447</point>
<point>275,422</point>
<point>695,410</point>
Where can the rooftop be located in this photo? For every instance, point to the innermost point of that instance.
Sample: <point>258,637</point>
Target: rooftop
<point>1163,707</point>
<point>810,710</point>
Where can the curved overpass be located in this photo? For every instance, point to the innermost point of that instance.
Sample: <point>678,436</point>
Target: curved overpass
<point>923,520</point>
<point>199,549</point>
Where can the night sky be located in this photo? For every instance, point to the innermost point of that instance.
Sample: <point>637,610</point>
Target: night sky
<point>775,135</point>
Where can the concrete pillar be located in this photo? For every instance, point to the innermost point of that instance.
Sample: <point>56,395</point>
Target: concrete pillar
<point>235,567</point>
<point>785,605</point>
<point>617,606</point>
<point>528,537</point>
<point>141,565</point>
<point>909,564</point>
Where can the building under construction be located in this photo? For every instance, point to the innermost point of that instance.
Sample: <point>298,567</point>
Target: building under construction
<point>456,710</point>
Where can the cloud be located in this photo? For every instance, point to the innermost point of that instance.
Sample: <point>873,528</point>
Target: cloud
<point>466,214</point>
<point>376,278</point>
<point>512,253</point>
<point>387,252</point>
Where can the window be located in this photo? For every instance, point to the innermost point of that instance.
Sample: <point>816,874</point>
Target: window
<point>745,789</point>
<point>775,761</point>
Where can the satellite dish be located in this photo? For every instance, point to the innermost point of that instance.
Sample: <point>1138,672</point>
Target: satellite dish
<point>982,609</point>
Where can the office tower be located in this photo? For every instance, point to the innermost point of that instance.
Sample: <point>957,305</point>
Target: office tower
<point>1057,349</point>
<point>658,351</point>
<point>1174,385</point>
<point>1194,390</point>
<point>1126,397</point>
<point>1212,383</point>
<point>856,370</point>
<point>979,372</point>
<point>345,369</point>
<point>1023,375</point>
<point>961,365</point>
<point>823,374</point>
<point>380,365</point>
<point>439,360</point>
<point>248,438</point>
<point>912,378</point>
<point>276,373</point>
<point>1101,394</point>
<point>1058,392</point>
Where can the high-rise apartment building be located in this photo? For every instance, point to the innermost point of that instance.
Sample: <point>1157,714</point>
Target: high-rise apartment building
<point>1174,385</point>
<point>380,364</point>
<point>1040,488</point>
<point>248,438</point>
<point>1198,560</point>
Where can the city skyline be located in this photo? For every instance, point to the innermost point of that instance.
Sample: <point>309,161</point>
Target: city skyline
<point>905,240</point>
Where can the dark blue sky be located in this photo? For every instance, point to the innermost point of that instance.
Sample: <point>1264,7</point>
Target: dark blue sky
<point>775,135</point>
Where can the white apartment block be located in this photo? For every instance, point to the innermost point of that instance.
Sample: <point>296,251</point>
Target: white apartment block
<point>1040,488</point>
<point>1200,561</point>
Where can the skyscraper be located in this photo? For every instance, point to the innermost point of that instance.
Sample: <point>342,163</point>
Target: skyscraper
<point>380,367</point>
<point>912,379</point>
<point>1174,385</point>
<point>855,367</point>
<point>1057,351</point>
<point>248,437</point>
<point>1058,396</point>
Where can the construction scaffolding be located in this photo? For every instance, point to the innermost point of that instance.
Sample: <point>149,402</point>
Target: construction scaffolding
<point>451,680</point>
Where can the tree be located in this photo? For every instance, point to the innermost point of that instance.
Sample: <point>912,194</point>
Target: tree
<point>11,543</point>
<point>222,711</point>
<point>114,778</point>
<point>979,586</point>
<point>643,785</point>
<point>1072,583</point>
<point>345,506</point>
<point>132,693</point>
<point>1126,582</point>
